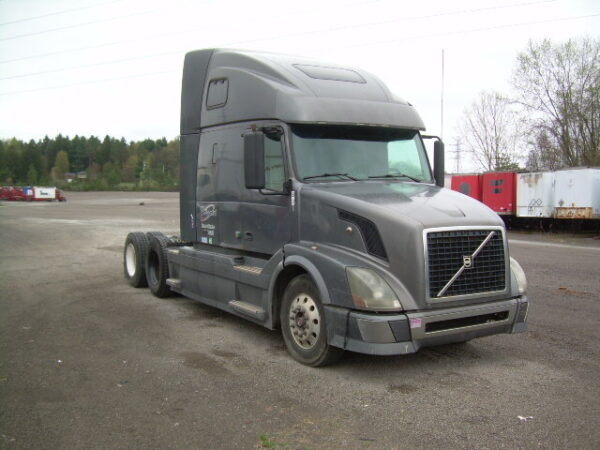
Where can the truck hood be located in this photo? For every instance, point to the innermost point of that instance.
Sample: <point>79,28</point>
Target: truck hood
<point>400,211</point>
<point>427,205</point>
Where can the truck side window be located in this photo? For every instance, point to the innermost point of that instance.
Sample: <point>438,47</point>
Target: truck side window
<point>217,93</point>
<point>274,168</point>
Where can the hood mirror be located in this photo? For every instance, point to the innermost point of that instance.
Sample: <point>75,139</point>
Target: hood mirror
<point>439,171</point>
<point>438,163</point>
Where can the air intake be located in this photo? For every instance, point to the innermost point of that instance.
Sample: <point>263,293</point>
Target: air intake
<point>369,233</point>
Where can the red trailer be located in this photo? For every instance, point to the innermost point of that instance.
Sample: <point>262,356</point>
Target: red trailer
<point>12,194</point>
<point>498,192</point>
<point>467,184</point>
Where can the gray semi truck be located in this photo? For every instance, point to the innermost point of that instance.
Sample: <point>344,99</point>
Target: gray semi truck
<point>308,204</point>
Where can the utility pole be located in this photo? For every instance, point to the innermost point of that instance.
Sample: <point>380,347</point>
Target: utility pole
<point>457,154</point>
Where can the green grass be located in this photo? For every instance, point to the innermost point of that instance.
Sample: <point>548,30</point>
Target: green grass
<point>268,442</point>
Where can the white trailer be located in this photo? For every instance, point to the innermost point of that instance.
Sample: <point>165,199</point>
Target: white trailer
<point>563,194</point>
<point>535,194</point>
<point>44,193</point>
<point>577,194</point>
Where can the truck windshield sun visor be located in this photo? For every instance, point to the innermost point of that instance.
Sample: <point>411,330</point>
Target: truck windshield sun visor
<point>358,152</point>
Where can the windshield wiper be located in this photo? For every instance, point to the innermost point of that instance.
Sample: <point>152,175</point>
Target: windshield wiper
<point>341,175</point>
<point>396,175</point>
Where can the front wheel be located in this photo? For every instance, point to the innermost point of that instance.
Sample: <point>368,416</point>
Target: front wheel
<point>303,324</point>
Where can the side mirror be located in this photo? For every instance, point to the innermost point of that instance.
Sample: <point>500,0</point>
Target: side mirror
<point>254,160</point>
<point>438,163</point>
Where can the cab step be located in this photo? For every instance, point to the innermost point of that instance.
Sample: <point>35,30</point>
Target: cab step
<point>248,269</point>
<point>175,283</point>
<point>248,309</point>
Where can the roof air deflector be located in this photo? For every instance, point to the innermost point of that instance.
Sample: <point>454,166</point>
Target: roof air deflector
<point>330,73</point>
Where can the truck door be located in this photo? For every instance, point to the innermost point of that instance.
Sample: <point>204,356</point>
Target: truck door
<point>229,215</point>
<point>266,214</point>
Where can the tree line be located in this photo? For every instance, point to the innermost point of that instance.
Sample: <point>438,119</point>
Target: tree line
<point>550,120</point>
<point>89,163</point>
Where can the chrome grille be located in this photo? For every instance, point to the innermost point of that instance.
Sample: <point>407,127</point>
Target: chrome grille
<point>450,251</point>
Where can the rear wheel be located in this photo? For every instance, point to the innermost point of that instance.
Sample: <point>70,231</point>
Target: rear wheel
<point>157,266</point>
<point>134,257</point>
<point>303,324</point>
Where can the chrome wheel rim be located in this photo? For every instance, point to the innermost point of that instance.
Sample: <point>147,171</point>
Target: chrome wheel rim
<point>130,260</point>
<point>304,321</point>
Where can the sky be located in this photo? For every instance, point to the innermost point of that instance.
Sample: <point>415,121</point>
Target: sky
<point>113,67</point>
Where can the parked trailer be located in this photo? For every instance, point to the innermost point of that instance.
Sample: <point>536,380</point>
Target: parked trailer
<point>498,191</point>
<point>308,204</point>
<point>468,184</point>
<point>577,194</point>
<point>494,189</point>
<point>562,194</point>
<point>29,193</point>
<point>535,195</point>
<point>43,194</point>
<point>12,194</point>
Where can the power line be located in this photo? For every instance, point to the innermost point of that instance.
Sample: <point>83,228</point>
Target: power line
<point>296,34</point>
<point>144,38</point>
<point>134,58</point>
<point>64,11</point>
<point>83,66</point>
<point>408,19</point>
<point>473,30</point>
<point>82,83</point>
<point>78,25</point>
<point>51,30</point>
<point>277,37</point>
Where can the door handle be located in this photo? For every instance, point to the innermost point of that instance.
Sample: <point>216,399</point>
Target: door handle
<point>248,236</point>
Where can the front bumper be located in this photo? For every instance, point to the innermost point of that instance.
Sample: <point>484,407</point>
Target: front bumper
<point>397,334</point>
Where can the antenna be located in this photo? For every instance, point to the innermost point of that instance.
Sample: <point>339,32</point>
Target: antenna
<point>442,101</point>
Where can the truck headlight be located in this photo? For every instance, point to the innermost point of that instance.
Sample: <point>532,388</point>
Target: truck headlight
<point>370,291</point>
<point>519,274</point>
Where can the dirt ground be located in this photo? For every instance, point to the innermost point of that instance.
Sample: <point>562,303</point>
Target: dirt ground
<point>86,361</point>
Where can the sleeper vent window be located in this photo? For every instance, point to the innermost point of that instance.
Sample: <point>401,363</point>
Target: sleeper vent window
<point>217,93</point>
<point>330,73</point>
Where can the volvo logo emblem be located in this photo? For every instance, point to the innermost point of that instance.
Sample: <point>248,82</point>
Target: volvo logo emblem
<point>468,262</point>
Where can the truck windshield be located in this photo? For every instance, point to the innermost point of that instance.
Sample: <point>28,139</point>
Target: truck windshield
<point>326,152</point>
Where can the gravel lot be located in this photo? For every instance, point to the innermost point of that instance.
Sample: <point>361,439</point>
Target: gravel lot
<point>88,362</point>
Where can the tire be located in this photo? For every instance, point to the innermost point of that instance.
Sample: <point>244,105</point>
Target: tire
<point>303,324</point>
<point>157,266</point>
<point>134,259</point>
